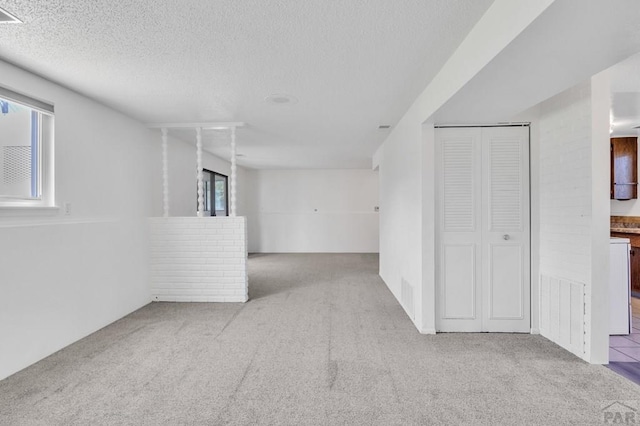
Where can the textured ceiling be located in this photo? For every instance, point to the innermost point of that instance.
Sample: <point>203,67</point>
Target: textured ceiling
<point>352,65</point>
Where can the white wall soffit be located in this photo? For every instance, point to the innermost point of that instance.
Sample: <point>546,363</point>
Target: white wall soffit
<point>568,43</point>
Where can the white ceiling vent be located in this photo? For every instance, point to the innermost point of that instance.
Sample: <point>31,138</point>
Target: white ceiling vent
<point>7,18</point>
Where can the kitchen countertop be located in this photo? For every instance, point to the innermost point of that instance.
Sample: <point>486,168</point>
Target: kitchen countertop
<point>626,230</point>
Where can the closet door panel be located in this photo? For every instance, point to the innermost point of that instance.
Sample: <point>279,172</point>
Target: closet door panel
<point>506,286</point>
<point>459,229</point>
<point>505,229</point>
<point>459,281</point>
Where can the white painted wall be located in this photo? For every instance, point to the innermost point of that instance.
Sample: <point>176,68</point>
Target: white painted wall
<point>598,320</point>
<point>312,211</point>
<point>573,170</point>
<point>401,209</point>
<point>64,277</point>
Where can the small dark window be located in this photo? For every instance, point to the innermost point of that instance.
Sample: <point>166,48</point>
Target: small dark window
<point>216,190</point>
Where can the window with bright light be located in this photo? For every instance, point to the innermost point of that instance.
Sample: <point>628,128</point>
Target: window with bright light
<point>216,187</point>
<point>26,148</point>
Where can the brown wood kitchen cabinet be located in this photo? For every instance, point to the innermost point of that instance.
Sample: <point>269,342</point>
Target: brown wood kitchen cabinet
<point>624,168</point>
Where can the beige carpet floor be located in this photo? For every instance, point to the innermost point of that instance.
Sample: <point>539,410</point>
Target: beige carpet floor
<point>322,342</point>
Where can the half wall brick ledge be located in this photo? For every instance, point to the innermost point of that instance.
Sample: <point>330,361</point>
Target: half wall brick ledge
<point>197,259</point>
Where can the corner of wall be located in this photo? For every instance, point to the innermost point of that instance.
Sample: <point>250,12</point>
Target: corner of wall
<point>428,293</point>
<point>601,212</point>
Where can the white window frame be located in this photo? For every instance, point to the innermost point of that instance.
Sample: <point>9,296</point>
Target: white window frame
<point>45,204</point>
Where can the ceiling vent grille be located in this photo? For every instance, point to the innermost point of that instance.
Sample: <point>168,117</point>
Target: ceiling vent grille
<point>7,18</point>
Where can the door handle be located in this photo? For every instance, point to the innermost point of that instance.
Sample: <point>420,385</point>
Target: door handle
<point>506,237</point>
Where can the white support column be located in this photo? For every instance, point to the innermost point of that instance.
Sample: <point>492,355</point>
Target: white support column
<point>232,186</point>
<point>165,174</point>
<point>199,175</point>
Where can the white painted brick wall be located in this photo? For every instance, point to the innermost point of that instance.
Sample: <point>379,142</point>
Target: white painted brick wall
<point>566,191</point>
<point>199,259</point>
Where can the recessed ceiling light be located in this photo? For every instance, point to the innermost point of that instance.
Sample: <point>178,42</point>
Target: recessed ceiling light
<point>8,18</point>
<point>281,99</point>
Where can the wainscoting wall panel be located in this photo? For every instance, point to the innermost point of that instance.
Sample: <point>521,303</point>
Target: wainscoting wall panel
<point>562,313</point>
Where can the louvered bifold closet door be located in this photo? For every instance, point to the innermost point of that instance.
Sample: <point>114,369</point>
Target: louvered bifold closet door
<point>505,236</point>
<point>458,254</point>
<point>482,235</point>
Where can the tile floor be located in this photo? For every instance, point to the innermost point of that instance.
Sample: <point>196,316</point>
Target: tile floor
<point>627,348</point>
<point>624,351</point>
